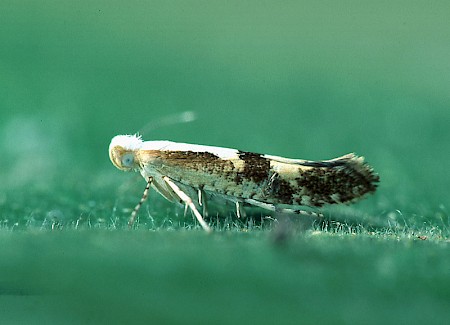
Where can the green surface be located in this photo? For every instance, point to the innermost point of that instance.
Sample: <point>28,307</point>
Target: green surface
<point>310,80</point>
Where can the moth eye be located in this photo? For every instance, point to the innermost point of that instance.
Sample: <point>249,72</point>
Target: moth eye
<point>128,160</point>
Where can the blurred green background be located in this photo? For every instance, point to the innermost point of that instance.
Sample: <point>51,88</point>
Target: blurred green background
<point>301,79</point>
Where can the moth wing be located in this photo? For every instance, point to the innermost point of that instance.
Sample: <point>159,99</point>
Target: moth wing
<point>311,163</point>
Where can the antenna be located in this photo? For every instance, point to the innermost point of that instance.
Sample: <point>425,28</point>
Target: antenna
<point>170,119</point>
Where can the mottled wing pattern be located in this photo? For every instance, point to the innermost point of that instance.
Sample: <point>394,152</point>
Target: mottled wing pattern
<point>315,183</point>
<point>264,178</point>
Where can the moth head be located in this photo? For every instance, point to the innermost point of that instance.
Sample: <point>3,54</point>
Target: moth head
<point>122,151</point>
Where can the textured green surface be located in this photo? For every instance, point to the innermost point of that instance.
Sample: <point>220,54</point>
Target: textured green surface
<point>298,79</point>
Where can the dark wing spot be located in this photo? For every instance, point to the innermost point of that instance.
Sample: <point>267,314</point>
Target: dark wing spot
<point>256,167</point>
<point>280,189</point>
<point>189,155</point>
<point>347,181</point>
<point>200,161</point>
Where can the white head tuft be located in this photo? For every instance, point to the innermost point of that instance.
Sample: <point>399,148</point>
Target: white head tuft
<point>127,142</point>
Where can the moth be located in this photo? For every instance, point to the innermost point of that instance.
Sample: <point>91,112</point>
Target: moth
<point>193,174</point>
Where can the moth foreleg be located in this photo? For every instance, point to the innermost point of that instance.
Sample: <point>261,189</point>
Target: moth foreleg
<point>188,201</point>
<point>138,206</point>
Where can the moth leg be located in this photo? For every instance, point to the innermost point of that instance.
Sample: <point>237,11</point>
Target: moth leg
<point>188,201</point>
<point>185,210</point>
<point>238,209</point>
<point>202,201</point>
<point>240,212</point>
<point>301,212</point>
<point>271,207</point>
<point>307,213</point>
<point>263,205</point>
<point>138,206</point>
